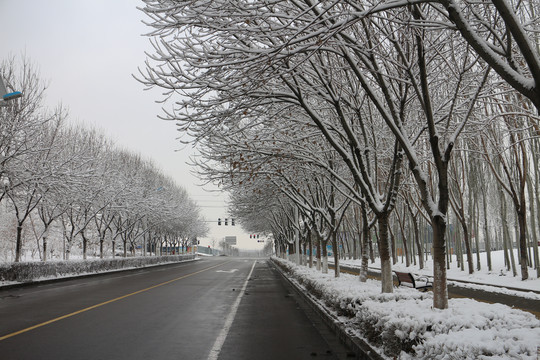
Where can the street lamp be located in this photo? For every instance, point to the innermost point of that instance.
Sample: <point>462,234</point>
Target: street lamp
<point>7,96</point>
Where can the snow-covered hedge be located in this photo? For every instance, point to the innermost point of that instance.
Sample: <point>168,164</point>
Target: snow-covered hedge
<point>31,271</point>
<point>404,325</point>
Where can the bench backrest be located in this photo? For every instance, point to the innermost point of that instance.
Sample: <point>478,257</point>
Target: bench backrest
<point>405,278</point>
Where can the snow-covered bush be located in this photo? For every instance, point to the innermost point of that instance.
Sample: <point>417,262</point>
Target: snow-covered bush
<point>30,271</point>
<point>405,325</point>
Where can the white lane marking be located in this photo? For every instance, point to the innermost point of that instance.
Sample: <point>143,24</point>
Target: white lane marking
<point>228,271</point>
<point>220,340</point>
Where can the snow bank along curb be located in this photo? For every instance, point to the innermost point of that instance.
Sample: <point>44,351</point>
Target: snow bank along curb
<point>404,324</point>
<point>362,349</point>
<point>25,272</point>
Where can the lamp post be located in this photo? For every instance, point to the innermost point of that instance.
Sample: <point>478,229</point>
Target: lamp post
<point>7,96</point>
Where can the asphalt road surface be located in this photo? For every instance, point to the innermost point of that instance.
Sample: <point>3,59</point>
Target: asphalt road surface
<point>215,308</point>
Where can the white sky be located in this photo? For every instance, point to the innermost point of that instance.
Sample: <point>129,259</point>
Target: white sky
<point>88,51</point>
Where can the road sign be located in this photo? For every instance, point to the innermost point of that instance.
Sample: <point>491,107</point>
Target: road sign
<point>231,240</point>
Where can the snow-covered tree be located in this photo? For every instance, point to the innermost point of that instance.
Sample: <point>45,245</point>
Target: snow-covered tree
<point>377,81</point>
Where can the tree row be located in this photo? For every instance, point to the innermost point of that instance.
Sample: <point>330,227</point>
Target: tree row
<point>362,114</point>
<point>70,187</point>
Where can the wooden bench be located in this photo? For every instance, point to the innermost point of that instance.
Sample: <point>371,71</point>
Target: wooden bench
<point>407,279</point>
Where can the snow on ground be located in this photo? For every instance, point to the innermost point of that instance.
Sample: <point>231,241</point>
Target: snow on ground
<point>499,276</point>
<point>36,271</point>
<point>405,325</point>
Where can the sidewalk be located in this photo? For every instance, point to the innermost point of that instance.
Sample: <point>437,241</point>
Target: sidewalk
<point>480,292</point>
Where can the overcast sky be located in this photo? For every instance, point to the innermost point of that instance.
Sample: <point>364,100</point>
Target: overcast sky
<point>88,51</point>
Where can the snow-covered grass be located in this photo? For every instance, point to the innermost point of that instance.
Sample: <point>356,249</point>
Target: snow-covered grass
<point>404,324</point>
<point>499,276</point>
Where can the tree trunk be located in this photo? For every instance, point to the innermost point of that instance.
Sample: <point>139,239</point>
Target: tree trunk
<point>508,246</point>
<point>310,244</point>
<point>473,206</point>
<point>418,243</point>
<point>392,245</point>
<point>44,248</point>
<point>401,220</point>
<point>487,242</point>
<point>451,250</point>
<point>505,247</point>
<point>459,242</point>
<point>324,258</point>
<point>101,243</point>
<point>44,236</point>
<point>85,244</point>
<point>384,252</point>
<point>365,247</point>
<point>319,254</point>
<point>537,221</point>
<point>291,253</point>
<point>335,249</point>
<point>304,253</point>
<point>522,221</point>
<point>467,240</point>
<point>18,244</point>
<point>460,216</point>
<point>354,237</point>
<point>345,252</point>
<point>440,291</point>
<point>414,220</point>
<point>371,252</point>
<point>68,246</point>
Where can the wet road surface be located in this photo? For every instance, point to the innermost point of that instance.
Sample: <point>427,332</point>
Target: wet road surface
<point>169,312</point>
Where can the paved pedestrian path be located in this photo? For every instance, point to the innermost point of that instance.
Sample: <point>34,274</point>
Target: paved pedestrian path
<point>456,291</point>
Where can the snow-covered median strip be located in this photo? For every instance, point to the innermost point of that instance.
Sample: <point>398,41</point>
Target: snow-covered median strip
<point>14,273</point>
<point>405,325</point>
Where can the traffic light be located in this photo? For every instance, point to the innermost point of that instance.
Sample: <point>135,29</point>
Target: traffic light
<point>257,236</point>
<point>232,222</point>
<point>250,236</point>
<point>226,222</point>
<point>219,221</point>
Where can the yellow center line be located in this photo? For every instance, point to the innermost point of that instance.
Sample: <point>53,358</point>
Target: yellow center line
<point>105,303</point>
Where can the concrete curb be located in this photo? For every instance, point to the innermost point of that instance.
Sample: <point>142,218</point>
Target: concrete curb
<point>362,349</point>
